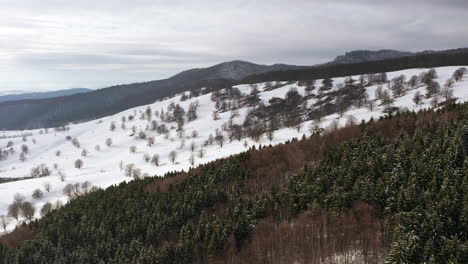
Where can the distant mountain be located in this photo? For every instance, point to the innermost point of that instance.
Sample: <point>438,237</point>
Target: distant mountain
<point>103,102</point>
<point>28,114</point>
<point>21,95</point>
<point>234,70</point>
<point>357,56</point>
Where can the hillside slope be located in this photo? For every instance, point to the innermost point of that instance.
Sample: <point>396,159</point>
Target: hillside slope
<point>357,199</point>
<point>226,122</point>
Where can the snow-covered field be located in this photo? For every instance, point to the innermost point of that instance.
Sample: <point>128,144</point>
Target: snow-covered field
<point>103,168</point>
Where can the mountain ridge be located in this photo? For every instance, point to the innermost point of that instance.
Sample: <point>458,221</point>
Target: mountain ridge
<point>41,95</point>
<point>58,111</point>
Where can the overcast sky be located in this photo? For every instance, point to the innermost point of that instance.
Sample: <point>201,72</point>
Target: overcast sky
<point>58,44</point>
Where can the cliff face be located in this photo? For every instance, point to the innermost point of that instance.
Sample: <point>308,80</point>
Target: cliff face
<point>368,55</point>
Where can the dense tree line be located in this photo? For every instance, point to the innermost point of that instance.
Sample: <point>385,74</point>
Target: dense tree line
<point>395,189</point>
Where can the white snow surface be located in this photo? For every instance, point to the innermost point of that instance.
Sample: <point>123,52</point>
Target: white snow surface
<point>101,168</point>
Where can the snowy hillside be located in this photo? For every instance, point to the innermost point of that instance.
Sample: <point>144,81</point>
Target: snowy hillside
<point>164,137</point>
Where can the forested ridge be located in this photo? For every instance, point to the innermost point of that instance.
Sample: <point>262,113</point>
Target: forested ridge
<point>51,112</point>
<point>393,190</point>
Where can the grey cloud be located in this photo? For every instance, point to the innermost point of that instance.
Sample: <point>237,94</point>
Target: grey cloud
<point>114,41</point>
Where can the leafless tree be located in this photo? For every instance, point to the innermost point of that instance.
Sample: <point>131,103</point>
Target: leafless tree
<point>84,153</point>
<point>28,210</point>
<point>37,194</point>
<point>75,143</point>
<point>25,148</point>
<point>62,175</point>
<point>215,115</point>
<point>219,138</point>
<point>4,222</point>
<point>47,186</point>
<point>447,92</point>
<point>435,101</point>
<point>132,149</point>
<point>150,141</point>
<point>193,146</point>
<point>155,159</point>
<point>371,105</point>
<point>129,169</point>
<point>22,157</point>
<point>192,159</point>
<point>201,153</point>
<point>351,121</point>
<point>417,98</point>
<point>136,174</point>
<point>173,156</point>
<point>78,163</point>
<point>46,208</point>
<point>108,142</point>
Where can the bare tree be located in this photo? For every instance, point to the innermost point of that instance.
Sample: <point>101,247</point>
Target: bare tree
<point>371,105</point>
<point>194,134</point>
<point>379,93</point>
<point>46,209</point>
<point>447,92</point>
<point>129,169</point>
<point>85,187</point>
<point>270,134</point>
<point>22,157</point>
<point>351,121</point>
<point>112,126</point>
<point>387,99</point>
<point>47,186</point>
<point>136,174</point>
<point>4,222</point>
<point>417,98</point>
<point>28,210</point>
<point>57,153</point>
<point>201,153</point>
<point>215,115</point>
<point>37,194</point>
<point>150,141</point>
<point>132,149</point>
<point>413,81</point>
<point>25,148</point>
<point>432,88</point>
<point>108,142</point>
<point>155,159</point>
<point>78,163</point>
<point>84,153</point>
<point>68,190</point>
<point>192,159</point>
<point>193,146</point>
<point>182,143</point>
<point>146,157</point>
<point>173,156</point>
<point>97,148</point>
<point>435,101</point>
<point>62,175</point>
<point>219,138</point>
<point>75,143</point>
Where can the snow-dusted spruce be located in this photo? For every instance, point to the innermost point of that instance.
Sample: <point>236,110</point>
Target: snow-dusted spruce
<point>197,127</point>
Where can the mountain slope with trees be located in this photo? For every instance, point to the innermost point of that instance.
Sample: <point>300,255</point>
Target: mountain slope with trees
<point>49,166</point>
<point>31,114</point>
<point>393,190</point>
